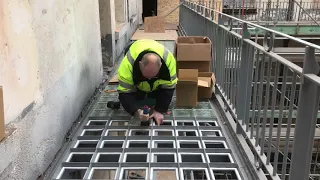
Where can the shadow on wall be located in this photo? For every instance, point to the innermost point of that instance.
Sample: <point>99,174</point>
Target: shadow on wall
<point>106,49</point>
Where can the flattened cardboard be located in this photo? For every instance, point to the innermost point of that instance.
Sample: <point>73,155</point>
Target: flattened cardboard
<point>193,48</point>
<point>206,85</point>
<point>204,81</point>
<point>187,88</point>
<point>168,26</point>
<point>114,79</point>
<point>168,35</point>
<point>2,128</point>
<point>154,24</point>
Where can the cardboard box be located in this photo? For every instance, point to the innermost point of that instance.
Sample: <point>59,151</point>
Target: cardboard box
<point>206,84</point>
<point>193,48</point>
<point>187,88</point>
<point>202,66</point>
<point>2,128</point>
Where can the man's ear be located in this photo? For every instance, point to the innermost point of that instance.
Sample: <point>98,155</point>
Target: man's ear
<point>140,65</point>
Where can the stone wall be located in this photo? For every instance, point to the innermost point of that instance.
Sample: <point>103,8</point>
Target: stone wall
<point>50,65</point>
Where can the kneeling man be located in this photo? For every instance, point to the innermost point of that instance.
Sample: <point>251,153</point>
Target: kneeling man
<point>147,70</point>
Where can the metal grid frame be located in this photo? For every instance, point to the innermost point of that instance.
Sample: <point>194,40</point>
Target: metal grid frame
<point>190,139</point>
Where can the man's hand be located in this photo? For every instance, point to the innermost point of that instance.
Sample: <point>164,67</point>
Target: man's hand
<point>141,116</point>
<point>157,116</point>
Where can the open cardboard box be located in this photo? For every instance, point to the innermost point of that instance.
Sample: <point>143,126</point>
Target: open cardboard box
<point>193,85</point>
<point>187,88</point>
<point>206,84</point>
<point>203,66</point>
<point>193,48</point>
<point>193,52</point>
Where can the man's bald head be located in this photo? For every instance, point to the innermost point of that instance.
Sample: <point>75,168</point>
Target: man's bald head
<point>150,65</point>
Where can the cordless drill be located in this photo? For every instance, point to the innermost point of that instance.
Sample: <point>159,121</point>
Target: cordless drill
<point>145,111</point>
<point>144,123</point>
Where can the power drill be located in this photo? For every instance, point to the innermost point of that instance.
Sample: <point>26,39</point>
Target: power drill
<point>144,123</point>
<point>145,111</point>
<point>113,104</point>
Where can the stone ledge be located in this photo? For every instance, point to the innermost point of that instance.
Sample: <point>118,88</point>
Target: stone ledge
<point>123,28</point>
<point>8,133</point>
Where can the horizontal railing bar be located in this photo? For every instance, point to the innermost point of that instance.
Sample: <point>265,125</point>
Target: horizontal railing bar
<point>285,113</point>
<point>286,23</point>
<point>314,78</point>
<point>241,28</point>
<point>282,60</point>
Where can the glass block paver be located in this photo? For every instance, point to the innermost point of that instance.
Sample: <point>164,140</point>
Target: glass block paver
<point>189,145</point>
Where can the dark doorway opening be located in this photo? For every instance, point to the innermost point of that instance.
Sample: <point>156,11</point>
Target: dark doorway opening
<point>149,8</point>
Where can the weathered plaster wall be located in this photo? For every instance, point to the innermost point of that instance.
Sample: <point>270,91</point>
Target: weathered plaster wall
<point>129,28</point>
<point>140,9</point>
<point>115,36</point>
<point>120,10</point>
<point>125,38</point>
<point>50,55</point>
<point>107,27</point>
<point>133,7</point>
<point>19,66</point>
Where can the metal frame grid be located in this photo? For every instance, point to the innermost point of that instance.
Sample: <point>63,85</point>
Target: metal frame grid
<point>190,142</point>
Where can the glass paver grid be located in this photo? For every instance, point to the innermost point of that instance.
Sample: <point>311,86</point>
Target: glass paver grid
<point>189,145</point>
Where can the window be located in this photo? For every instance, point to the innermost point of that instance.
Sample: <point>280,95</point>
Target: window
<point>120,11</point>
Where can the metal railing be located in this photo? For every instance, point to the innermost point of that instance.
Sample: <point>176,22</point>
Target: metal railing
<point>272,12</point>
<point>251,77</point>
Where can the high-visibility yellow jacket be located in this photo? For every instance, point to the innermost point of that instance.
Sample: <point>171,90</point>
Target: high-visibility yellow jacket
<point>129,69</point>
<point>133,86</point>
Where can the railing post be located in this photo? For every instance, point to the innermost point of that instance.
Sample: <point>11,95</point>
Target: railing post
<point>219,59</point>
<point>306,120</point>
<point>290,10</point>
<point>245,81</point>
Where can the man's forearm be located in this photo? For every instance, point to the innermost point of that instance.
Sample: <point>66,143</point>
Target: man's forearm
<point>163,100</point>
<point>128,102</point>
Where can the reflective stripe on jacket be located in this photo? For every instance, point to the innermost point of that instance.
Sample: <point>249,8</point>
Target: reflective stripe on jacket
<point>125,71</point>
